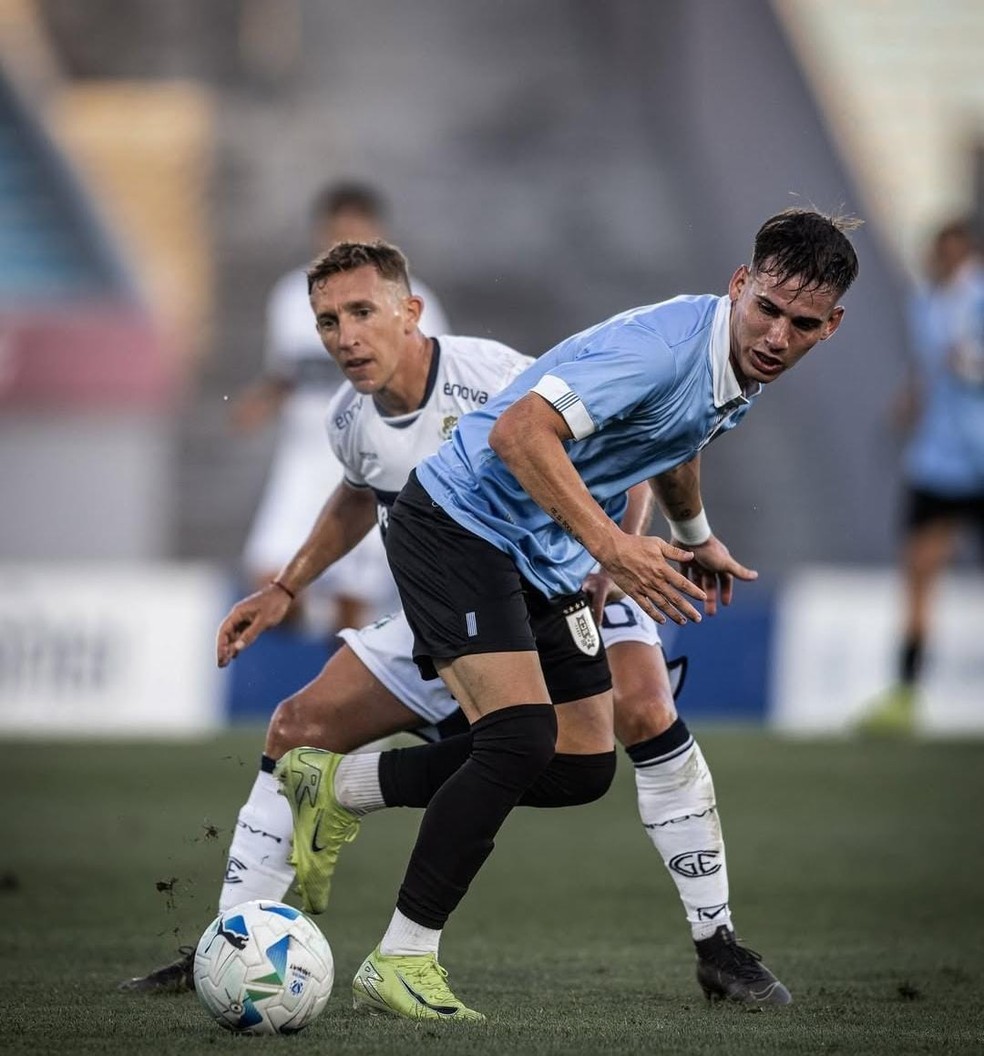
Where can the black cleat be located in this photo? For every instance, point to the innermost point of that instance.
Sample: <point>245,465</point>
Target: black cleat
<point>727,971</point>
<point>178,977</point>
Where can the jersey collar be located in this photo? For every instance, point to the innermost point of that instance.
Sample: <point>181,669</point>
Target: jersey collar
<point>726,387</point>
<point>401,421</point>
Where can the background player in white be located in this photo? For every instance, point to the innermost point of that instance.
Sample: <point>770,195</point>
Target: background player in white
<point>297,383</point>
<point>407,393</point>
<point>492,536</point>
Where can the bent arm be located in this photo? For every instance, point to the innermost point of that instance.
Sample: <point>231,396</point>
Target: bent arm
<point>639,510</point>
<point>345,519</point>
<point>678,491</point>
<point>529,438</point>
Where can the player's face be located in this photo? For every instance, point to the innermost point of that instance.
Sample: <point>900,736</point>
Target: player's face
<point>774,325</point>
<point>365,322</point>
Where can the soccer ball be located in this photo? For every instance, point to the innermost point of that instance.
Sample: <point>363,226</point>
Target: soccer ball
<point>263,968</point>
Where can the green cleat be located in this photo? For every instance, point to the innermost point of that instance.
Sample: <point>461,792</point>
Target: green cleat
<point>321,824</point>
<point>891,714</point>
<point>414,987</point>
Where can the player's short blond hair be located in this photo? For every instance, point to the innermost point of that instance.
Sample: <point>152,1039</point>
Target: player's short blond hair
<point>387,259</point>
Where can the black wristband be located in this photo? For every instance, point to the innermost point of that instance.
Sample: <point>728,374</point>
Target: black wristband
<point>290,594</point>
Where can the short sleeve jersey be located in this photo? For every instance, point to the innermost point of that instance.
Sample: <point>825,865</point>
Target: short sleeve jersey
<point>641,393</point>
<point>379,451</point>
<point>946,452</point>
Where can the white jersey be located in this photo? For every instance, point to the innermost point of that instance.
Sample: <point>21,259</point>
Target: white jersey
<point>304,470</point>
<point>378,452</point>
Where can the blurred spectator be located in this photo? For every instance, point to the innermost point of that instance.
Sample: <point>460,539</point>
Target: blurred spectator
<point>298,381</point>
<point>944,459</point>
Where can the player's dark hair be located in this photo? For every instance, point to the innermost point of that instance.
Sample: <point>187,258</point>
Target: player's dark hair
<point>347,256</point>
<point>335,198</point>
<point>807,246</point>
<point>963,228</point>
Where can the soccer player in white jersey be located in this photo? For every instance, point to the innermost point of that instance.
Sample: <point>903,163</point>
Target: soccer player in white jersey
<point>297,383</point>
<point>406,396</point>
<point>492,536</point>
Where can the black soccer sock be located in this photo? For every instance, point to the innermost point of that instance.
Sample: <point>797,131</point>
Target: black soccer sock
<point>409,777</point>
<point>672,741</point>
<point>911,661</point>
<point>510,748</point>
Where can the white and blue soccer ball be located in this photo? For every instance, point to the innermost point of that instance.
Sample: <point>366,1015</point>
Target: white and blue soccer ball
<point>263,968</point>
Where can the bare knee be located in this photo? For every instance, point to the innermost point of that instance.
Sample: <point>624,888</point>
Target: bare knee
<point>642,715</point>
<point>644,705</point>
<point>295,724</point>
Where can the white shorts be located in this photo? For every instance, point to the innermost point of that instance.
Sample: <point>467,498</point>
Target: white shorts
<point>385,648</point>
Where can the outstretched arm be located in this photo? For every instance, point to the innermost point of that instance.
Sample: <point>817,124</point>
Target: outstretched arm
<point>713,568</point>
<point>529,437</point>
<point>345,519</point>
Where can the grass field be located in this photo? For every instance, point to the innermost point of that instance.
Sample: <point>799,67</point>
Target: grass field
<point>856,868</point>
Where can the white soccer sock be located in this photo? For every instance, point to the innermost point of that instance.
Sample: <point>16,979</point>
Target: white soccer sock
<point>677,807</point>
<point>357,783</point>
<point>405,936</point>
<point>257,864</point>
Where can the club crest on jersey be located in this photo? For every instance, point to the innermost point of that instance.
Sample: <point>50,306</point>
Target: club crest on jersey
<point>583,630</point>
<point>447,426</point>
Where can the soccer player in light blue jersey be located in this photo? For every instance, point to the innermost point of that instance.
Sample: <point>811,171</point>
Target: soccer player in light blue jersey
<point>491,539</point>
<point>944,459</point>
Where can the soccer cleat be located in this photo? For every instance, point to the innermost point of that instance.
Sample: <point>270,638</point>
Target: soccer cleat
<point>414,987</point>
<point>727,971</point>
<point>892,714</point>
<point>321,824</point>
<point>178,977</point>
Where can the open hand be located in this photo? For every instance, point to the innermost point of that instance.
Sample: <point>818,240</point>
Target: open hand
<point>641,566</point>
<point>714,570</point>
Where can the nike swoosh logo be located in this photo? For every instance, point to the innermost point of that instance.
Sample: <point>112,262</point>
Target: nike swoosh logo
<point>444,1010</point>
<point>315,846</point>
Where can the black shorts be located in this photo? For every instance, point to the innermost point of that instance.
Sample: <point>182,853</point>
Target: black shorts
<point>462,595</point>
<point>924,507</point>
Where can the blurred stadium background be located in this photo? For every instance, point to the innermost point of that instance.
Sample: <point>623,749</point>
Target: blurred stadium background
<point>548,165</point>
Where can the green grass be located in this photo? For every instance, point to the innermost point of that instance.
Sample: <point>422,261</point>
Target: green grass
<point>856,868</point>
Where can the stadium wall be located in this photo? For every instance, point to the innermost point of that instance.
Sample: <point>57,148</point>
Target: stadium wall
<point>110,650</point>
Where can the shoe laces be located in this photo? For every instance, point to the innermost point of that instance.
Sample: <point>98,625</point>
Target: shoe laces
<point>339,828</point>
<point>426,973</point>
<point>744,962</point>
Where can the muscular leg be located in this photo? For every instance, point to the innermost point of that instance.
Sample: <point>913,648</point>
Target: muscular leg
<point>344,708</point>
<point>678,811</point>
<point>673,784</point>
<point>928,548</point>
<point>514,733</point>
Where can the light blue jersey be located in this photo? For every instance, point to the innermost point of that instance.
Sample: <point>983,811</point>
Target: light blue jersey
<point>946,452</point>
<point>642,392</point>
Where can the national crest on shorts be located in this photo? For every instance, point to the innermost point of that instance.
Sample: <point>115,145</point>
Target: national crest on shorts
<point>584,631</point>
<point>447,426</point>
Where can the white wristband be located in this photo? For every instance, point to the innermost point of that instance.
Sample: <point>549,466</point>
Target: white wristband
<point>693,532</point>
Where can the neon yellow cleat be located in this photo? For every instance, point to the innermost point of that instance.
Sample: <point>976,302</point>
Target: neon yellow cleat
<point>414,987</point>
<point>321,824</point>
<point>893,713</point>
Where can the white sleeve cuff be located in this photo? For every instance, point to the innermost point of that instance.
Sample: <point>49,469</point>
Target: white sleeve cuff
<point>567,403</point>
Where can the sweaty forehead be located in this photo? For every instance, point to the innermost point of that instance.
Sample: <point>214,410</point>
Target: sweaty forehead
<point>359,284</point>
